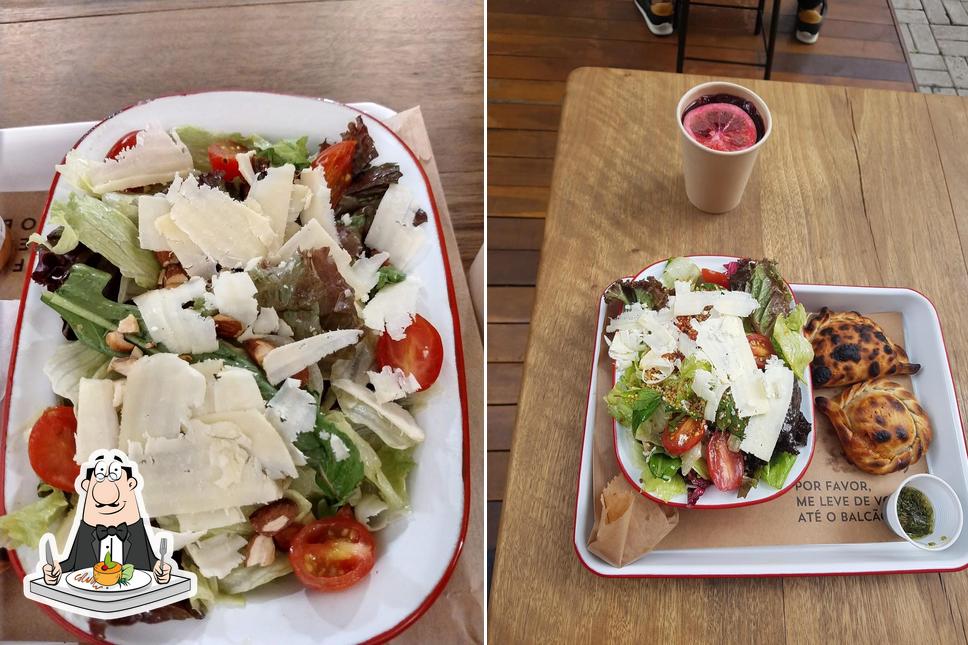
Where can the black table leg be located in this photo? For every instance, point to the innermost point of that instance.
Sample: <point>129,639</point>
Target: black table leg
<point>683,10</point>
<point>758,27</point>
<point>771,44</point>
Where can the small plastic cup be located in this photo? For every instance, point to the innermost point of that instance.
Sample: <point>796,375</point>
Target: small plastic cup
<point>716,180</point>
<point>948,516</point>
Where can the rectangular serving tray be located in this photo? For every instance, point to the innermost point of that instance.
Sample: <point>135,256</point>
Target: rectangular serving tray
<point>947,458</point>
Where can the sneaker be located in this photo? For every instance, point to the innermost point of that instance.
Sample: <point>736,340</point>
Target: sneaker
<point>659,16</point>
<point>809,21</point>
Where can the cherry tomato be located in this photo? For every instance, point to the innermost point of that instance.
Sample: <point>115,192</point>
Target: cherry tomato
<point>680,439</point>
<point>762,348</point>
<point>715,277</point>
<point>332,554</point>
<point>127,141</point>
<point>51,447</point>
<point>337,163</point>
<point>221,155</point>
<point>725,466</point>
<point>421,353</point>
<point>284,538</point>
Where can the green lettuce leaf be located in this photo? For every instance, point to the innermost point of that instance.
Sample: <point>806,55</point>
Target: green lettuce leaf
<point>663,488</point>
<point>771,293</point>
<point>243,579</point>
<point>662,465</point>
<point>397,464</point>
<point>81,303</point>
<point>237,358</point>
<point>285,151</point>
<point>197,140</point>
<point>775,473</point>
<point>337,479</point>
<point>630,401</point>
<point>727,416</point>
<point>677,390</point>
<point>25,527</point>
<point>789,340</point>
<point>681,270</point>
<point>388,275</point>
<point>105,230</point>
<point>70,363</point>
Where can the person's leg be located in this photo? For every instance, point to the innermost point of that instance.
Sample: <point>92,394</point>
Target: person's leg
<point>659,15</point>
<point>810,15</point>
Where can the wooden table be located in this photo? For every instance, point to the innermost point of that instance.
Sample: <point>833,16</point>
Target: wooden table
<point>864,187</point>
<point>78,60</point>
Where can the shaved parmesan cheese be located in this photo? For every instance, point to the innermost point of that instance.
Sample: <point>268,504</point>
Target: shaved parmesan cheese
<point>244,159</point>
<point>273,193</point>
<point>731,303</point>
<point>97,422</point>
<point>291,411</point>
<point>267,321</point>
<point>267,445</point>
<point>208,520</point>
<point>234,388</point>
<point>206,468</point>
<point>319,208</point>
<point>192,258</point>
<point>181,539</point>
<point>711,390</point>
<point>308,238</point>
<point>655,367</point>
<point>763,430</point>
<point>340,451</point>
<point>299,201</point>
<point>218,555</point>
<point>156,158</point>
<point>282,362</point>
<point>390,384</point>
<point>393,230</point>
<point>147,412</point>
<point>150,208</point>
<point>182,331</point>
<point>208,369</point>
<point>235,296</point>
<point>723,341</point>
<point>392,309</point>
<point>367,273</point>
<point>393,424</point>
<point>228,231</point>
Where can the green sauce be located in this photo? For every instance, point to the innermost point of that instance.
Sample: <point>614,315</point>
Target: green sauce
<point>915,512</point>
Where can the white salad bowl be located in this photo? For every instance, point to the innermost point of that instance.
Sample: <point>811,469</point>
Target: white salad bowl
<point>415,556</point>
<point>627,448</point>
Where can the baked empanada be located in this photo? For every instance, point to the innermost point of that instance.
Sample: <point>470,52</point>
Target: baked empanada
<point>881,426</point>
<point>850,348</point>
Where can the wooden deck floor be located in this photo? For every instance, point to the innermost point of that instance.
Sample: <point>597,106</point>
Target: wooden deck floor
<point>532,47</point>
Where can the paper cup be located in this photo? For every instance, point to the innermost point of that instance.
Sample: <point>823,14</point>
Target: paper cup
<point>715,180</point>
<point>948,517</point>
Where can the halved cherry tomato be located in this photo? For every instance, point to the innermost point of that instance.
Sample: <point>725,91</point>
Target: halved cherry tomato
<point>337,163</point>
<point>762,348</point>
<point>284,538</point>
<point>715,277</point>
<point>51,447</point>
<point>680,439</point>
<point>221,155</point>
<point>421,353</point>
<point>332,554</point>
<point>725,466</point>
<point>127,141</point>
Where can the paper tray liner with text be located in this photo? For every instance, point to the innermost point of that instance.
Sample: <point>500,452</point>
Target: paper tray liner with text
<point>833,503</point>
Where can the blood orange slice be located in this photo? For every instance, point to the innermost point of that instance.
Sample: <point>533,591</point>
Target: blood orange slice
<point>721,126</point>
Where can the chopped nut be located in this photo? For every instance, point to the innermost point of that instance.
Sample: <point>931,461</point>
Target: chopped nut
<point>116,341</point>
<point>136,352</point>
<point>185,357</point>
<point>302,376</point>
<point>173,275</point>
<point>258,348</point>
<point>122,365</point>
<point>260,551</point>
<point>271,519</point>
<point>226,326</point>
<point>129,325</point>
<point>165,257</point>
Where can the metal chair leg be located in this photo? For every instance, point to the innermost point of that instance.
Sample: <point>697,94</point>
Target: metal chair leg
<point>758,26</point>
<point>774,20</point>
<point>683,26</point>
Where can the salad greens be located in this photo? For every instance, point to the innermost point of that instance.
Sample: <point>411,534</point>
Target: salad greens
<point>25,526</point>
<point>337,478</point>
<point>795,349</point>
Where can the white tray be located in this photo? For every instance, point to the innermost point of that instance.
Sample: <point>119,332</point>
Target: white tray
<point>947,458</point>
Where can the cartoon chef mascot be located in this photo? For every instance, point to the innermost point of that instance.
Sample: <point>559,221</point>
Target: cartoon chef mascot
<point>111,520</point>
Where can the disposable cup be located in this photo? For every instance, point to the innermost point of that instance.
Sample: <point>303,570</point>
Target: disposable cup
<point>715,180</point>
<point>948,517</point>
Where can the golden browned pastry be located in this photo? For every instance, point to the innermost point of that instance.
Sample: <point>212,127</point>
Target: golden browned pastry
<point>850,348</point>
<point>881,426</point>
